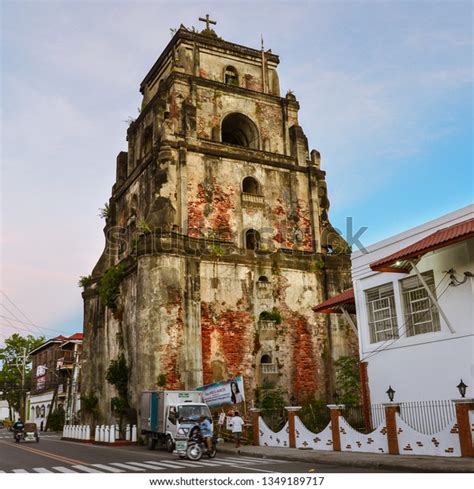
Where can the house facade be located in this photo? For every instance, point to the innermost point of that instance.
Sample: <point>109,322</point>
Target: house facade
<point>414,297</point>
<point>55,364</point>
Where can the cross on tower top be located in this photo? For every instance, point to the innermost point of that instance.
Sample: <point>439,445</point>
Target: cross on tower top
<point>207,21</point>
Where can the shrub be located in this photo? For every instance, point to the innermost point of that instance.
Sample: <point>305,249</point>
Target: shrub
<point>109,287</point>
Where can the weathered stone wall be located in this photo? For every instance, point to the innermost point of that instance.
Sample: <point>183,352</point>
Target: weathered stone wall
<point>190,303</point>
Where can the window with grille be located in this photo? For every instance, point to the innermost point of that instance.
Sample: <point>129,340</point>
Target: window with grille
<point>382,313</point>
<point>421,315</point>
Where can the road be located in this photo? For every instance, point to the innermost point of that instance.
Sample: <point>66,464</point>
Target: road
<point>52,455</point>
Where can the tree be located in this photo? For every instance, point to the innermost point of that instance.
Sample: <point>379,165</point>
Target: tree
<point>347,381</point>
<point>117,375</point>
<point>15,373</point>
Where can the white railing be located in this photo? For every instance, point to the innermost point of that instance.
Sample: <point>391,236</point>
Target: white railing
<point>269,368</point>
<point>103,433</point>
<point>253,198</point>
<point>265,325</point>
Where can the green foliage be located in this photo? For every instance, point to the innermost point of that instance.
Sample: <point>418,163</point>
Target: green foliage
<point>56,419</point>
<point>117,375</point>
<point>347,381</point>
<point>273,315</point>
<point>314,414</point>
<point>119,405</point>
<point>109,287</point>
<point>104,212</point>
<point>85,281</point>
<point>272,404</point>
<point>216,250</point>
<point>143,227</point>
<point>161,380</point>
<point>316,265</point>
<point>12,361</point>
<point>90,404</point>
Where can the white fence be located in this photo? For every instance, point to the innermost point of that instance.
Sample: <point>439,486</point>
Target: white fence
<point>102,434</point>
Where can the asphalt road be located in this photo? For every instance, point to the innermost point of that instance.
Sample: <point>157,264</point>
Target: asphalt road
<point>54,455</point>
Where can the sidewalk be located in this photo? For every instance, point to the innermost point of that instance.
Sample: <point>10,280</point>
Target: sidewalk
<point>397,463</point>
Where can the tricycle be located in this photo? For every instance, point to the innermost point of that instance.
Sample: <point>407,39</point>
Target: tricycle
<point>191,444</point>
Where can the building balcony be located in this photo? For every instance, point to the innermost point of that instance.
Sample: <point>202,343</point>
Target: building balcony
<point>252,200</point>
<point>269,368</point>
<point>66,361</point>
<point>266,325</point>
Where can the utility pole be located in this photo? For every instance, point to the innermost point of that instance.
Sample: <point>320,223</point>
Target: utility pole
<point>22,393</point>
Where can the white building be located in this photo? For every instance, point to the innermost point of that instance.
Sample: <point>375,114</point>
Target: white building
<point>414,298</point>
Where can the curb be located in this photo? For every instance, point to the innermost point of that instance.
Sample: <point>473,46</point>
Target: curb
<point>120,443</point>
<point>386,465</point>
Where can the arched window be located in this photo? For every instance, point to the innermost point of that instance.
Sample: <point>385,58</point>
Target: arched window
<point>250,186</point>
<point>238,129</point>
<point>266,359</point>
<point>252,239</point>
<point>263,279</point>
<point>231,77</point>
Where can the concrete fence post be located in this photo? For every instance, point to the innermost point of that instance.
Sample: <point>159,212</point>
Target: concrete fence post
<point>96,433</point>
<point>391,411</point>
<point>112,434</point>
<point>336,411</point>
<point>127,433</point>
<point>465,430</point>
<point>255,428</point>
<point>291,424</point>
<point>107,434</point>
<point>134,433</point>
<point>88,433</point>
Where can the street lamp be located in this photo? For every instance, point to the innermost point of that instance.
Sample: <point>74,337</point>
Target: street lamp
<point>390,393</point>
<point>462,388</point>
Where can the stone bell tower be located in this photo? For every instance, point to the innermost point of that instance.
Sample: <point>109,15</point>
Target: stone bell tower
<point>218,230</point>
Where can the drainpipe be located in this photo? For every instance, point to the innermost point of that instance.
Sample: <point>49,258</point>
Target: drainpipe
<point>431,296</point>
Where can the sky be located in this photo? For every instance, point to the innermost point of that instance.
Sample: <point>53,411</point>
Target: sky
<point>386,96</point>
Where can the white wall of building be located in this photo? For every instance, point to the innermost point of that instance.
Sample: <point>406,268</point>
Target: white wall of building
<point>38,408</point>
<point>425,366</point>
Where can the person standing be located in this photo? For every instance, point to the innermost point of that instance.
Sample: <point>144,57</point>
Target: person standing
<point>237,426</point>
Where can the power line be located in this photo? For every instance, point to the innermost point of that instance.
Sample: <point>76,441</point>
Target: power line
<point>29,321</point>
<point>28,324</point>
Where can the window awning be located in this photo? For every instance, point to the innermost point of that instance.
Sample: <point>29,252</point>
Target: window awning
<point>337,302</point>
<point>399,262</point>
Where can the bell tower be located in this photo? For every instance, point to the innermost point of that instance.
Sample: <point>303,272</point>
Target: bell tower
<point>219,221</point>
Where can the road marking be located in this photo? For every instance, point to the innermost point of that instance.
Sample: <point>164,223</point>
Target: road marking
<point>85,469</point>
<point>237,461</point>
<point>171,464</point>
<point>128,467</point>
<point>255,459</point>
<point>147,466</point>
<point>42,453</point>
<point>204,464</point>
<point>107,468</point>
<point>42,470</point>
<point>64,470</point>
<point>20,471</point>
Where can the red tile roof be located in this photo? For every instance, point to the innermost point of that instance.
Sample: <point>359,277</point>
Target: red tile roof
<point>397,262</point>
<point>332,304</point>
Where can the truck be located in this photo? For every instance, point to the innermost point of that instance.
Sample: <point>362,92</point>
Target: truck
<point>161,412</point>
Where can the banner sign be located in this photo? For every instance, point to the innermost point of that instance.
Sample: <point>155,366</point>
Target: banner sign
<point>224,393</point>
